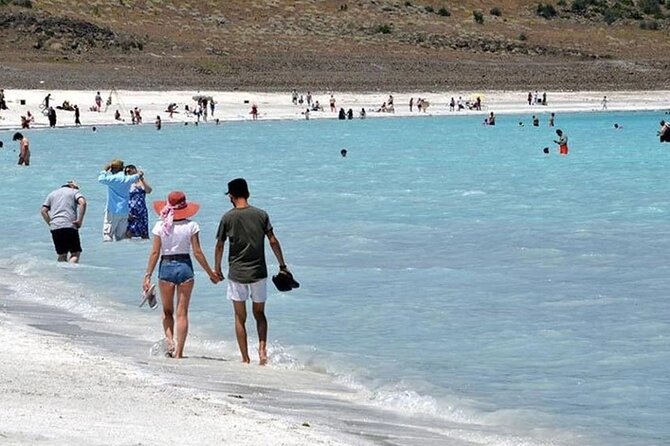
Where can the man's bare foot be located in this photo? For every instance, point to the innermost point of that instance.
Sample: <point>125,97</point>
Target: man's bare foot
<point>262,356</point>
<point>246,360</point>
<point>263,360</point>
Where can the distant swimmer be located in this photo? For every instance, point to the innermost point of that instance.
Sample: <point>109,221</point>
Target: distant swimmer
<point>536,121</point>
<point>520,124</point>
<point>617,126</point>
<point>664,132</point>
<point>24,149</point>
<point>492,119</point>
<point>562,142</point>
<point>343,152</point>
<point>546,150</point>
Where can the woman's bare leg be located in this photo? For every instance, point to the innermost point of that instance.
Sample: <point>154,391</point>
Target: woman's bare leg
<point>167,297</point>
<point>183,299</point>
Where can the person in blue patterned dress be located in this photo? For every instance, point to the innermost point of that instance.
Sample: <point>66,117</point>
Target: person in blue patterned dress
<point>138,217</point>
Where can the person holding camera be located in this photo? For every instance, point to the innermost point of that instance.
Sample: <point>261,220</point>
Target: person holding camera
<point>118,184</point>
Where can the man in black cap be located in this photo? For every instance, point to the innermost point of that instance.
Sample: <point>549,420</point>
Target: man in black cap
<point>246,228</point>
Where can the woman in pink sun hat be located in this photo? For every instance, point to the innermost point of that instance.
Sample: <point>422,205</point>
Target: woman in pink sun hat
<point>175,235</point>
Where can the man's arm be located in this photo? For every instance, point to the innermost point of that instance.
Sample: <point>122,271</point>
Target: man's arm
<point>81,210</point>
<point>133,178</point>
<point>276,249</point>
<point>45,214</point>
<point>218,255</point>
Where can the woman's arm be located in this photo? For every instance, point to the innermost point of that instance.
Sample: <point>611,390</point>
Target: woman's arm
<point>145,185</point>
<point>202,260</point>
<point>153,259</point>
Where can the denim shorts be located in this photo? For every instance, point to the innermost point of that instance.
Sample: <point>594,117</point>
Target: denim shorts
<point>176,271</point>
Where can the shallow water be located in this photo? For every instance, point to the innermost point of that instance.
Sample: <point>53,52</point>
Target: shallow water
<point>448,269</point>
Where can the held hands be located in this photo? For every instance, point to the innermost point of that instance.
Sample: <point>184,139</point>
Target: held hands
<point>215,277</point>
<point>219,274</point>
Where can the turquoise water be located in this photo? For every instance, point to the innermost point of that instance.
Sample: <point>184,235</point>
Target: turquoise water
<point>447,268</point>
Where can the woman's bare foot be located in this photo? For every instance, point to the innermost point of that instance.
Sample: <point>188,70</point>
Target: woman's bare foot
<point>263,356</point>
<point>169,343</point>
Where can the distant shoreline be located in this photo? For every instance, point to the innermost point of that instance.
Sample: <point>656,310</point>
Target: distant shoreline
<point>236,105</point>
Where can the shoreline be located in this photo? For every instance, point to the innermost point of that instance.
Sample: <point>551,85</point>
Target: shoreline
<point>83,393</point>
<point>236,106</point>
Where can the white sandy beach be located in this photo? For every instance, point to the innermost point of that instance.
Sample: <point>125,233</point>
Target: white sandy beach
<point>235,106</point>
<point>55,393</point>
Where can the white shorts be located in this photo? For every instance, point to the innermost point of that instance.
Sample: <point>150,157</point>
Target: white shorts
<point>241,292</point>
<point>114,227</point>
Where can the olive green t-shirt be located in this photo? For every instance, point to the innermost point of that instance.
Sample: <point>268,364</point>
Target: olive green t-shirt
<point>245,230</point>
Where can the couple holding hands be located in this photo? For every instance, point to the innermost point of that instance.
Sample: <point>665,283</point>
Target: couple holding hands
<point>245,227</point>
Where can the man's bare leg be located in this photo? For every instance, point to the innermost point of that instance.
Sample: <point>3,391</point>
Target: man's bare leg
<point>240,329</point>
<point>262,327</point>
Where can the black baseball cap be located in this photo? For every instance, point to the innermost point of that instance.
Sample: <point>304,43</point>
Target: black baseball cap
<point>238,188</point>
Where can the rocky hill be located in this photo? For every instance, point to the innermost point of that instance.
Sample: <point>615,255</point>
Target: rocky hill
<point>335,44</point>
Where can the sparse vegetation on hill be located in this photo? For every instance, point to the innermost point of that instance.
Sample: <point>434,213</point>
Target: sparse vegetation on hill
<point>357,43</point>
<point>609,11</point>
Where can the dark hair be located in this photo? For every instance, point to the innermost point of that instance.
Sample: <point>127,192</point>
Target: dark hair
<point>17,136</point>
<point>238,188</point>
<point>130,167</point>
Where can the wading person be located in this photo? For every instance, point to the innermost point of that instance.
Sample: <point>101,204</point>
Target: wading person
<point>63,210</point>
<point>118,185</point>
<point>246,227</point>
<point>175,235</point>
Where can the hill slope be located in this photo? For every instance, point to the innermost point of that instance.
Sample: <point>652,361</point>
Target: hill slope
<point>335,44</point>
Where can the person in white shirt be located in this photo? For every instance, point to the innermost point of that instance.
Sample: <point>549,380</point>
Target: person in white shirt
<point>174,238</point>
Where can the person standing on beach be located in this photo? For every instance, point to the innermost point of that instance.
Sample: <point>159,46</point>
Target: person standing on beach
<point>24,149</point>
<point>332,103</point>
<point>77,122</point>
<point>98,102</point>
<point>175,235</point>
<point>63,210</point>
<point>411,103</point>
<point>254,112</point>
<point>3,104</point>
<point>118,184</point>
<point>562,142</point>
<point>246,227</point>
<point>604,102</point>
